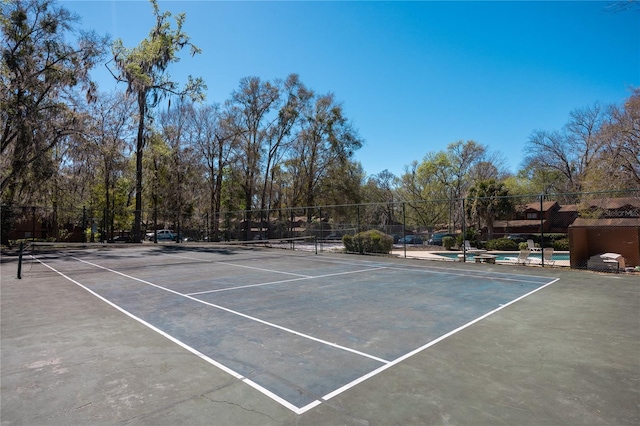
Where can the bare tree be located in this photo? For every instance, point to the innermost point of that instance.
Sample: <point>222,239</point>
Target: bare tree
<point>249,110</point>
<point>144,69</point>
<point>106,143</point>
<point>326,138</point>
<point>570,152</point>
<point>213,139</point>
<point>618,165</point>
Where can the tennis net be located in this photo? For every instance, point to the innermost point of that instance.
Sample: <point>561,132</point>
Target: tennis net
<point>274,247</point>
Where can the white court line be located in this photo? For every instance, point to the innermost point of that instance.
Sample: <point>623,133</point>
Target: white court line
<point>503,276</point>
<point>247,286</point>
<point>194,351</point>
<point>297,410</point>
<point>239,266</point>
<point>470,274</point>
<point>145,323</point>
<point>231,311</point>
<point>282,281</point>
<point>428,345</point>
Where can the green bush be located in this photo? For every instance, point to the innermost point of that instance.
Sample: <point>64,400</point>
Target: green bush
<point>368,242</point>
<point>561,244</point>
<point>502,244</point>
<point>448,242</point>
<point>347,240</point>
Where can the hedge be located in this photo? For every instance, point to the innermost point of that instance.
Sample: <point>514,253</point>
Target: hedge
<point>368,242</point>
<point>502,244</point>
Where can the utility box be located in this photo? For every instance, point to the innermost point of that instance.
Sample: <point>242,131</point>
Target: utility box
<point>593,237</point>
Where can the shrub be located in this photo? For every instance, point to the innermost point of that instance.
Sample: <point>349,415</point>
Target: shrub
<point>561,244</point>
<point>349,245</point>
<point>368,242</point>
<point>502,244</point>
<point>448,242</point>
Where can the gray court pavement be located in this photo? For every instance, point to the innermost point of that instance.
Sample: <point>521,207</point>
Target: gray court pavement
<point>568,354</point>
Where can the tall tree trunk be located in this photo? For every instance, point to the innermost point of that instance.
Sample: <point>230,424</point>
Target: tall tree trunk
<point>137,224</point>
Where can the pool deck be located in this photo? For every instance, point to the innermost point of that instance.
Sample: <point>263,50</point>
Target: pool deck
<point>435,255</point>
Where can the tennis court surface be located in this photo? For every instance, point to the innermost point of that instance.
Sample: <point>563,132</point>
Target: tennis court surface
<point>304,330</point>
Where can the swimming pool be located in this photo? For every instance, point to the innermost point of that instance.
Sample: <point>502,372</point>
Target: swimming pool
<point>504,255</point>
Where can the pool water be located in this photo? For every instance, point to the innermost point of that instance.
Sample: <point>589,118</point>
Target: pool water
<point>505,255</point>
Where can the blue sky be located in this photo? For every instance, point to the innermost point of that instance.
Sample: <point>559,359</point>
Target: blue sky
<point>412,76</point>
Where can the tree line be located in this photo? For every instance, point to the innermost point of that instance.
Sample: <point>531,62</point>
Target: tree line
<point>156,154</point>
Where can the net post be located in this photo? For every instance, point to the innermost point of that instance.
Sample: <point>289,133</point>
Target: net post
<point>20,260</point>
<point>315,242</point>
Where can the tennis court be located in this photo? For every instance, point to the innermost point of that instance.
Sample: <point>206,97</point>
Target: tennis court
<point>301,329</point>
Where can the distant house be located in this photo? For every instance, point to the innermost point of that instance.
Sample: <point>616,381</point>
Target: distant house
<point>611,208</point>
<point>556,218</point>
<point>531,219</point>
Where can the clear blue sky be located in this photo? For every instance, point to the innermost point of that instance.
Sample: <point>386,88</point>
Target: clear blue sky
<point>412,76</point>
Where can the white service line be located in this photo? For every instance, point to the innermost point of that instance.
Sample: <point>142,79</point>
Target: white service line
<point>231,311</point>
<point>295,409</point>
<point>428,345</point>
<point>492,275</point>
<point>145,323</point>
<point>502,276</point>
<point>194,351</point>
<point>281,281</point>
<point>239,266</point>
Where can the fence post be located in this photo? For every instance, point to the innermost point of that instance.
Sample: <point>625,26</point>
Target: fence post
<point>321,231</point>
<point>33,223</point>
<point>20,260</point>
<point>103,232</point>
<point>404,229</point>
<point>464,234</point>
<point>56,230</point>
<point>541,230</point>
<point>84,224</point>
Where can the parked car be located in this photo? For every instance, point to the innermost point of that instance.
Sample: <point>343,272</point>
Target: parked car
<point>163,235</point>
<point>410,239</point>
<point>436,239</point>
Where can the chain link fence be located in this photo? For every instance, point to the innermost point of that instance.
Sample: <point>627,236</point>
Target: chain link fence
<point>580,226</point>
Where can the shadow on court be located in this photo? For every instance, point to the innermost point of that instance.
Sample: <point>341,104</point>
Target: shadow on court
<point>566,354</point>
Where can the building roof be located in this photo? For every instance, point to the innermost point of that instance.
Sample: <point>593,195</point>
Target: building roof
<point>517,223</point>
<point>608,222</point>
<point>614,203</point>
<point>568,208</point>
<point>546,205</point>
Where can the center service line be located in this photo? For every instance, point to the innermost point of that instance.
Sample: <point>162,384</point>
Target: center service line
<point>429,344</point>
<point>288,330</point>
<point>239,266</point>
<point>194,351</point>
<point>281,281</point>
